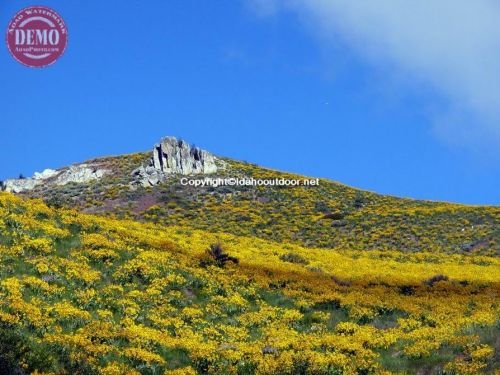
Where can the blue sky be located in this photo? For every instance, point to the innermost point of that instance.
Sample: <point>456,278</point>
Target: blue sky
<point>297,86</point>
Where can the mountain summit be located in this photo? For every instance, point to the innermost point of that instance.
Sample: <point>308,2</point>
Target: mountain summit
<point>174,156</point>
<point>169,156</point>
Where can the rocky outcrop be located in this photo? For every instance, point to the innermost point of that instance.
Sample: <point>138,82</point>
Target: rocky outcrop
<point>174,156</point>
<point>148,176</point>
<point>20,185</point>
<point>80,173</point>
<point>171,156</point>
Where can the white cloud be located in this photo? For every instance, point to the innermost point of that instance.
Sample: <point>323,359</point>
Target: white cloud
<point>453,45</point>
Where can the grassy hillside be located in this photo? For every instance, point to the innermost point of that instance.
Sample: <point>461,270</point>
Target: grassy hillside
<point>330,215</point>
<point>83,294</point>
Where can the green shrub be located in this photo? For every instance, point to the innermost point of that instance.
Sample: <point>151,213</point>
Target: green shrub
<point>217,256</point>
<point>293,258</point>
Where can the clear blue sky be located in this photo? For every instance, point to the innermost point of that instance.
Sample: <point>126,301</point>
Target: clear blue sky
<point>239,82</point>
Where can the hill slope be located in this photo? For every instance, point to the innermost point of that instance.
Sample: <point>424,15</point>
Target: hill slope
<point>85,294</point>
<point>330,215</point>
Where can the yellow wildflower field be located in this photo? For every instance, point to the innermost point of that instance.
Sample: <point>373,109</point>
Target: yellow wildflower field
<point>84,294</point>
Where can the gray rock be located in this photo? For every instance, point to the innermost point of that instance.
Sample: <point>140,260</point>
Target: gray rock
<point>148,176</point>
<point>47,173</point>
<point>20,185</point>
<point>172,156</point>
<point>80,173</point>
<point>176,156</point>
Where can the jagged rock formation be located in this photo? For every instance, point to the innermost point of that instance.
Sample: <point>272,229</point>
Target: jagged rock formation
<point>174,156</point>
<point>80,173</point>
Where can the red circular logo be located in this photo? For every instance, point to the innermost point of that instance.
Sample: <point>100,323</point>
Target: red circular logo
<point>37,36</point>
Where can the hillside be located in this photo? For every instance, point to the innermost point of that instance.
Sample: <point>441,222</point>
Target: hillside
<point>85,294</point>
<point>330,215</point>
